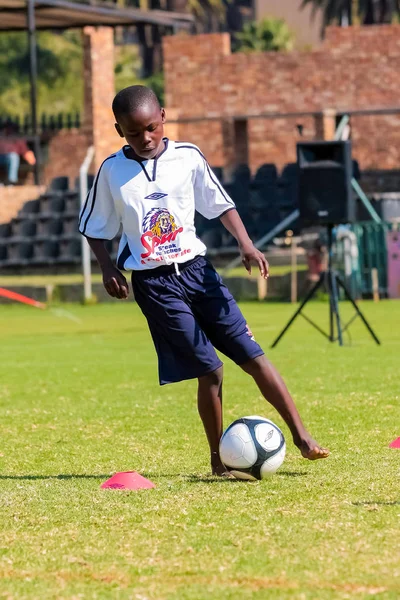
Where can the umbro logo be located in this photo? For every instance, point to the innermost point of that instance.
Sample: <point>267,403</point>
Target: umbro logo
<point>269,435</point>
<point>155,196</point>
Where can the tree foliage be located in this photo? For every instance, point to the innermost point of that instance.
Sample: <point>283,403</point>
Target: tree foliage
<point>265,36</point>
<point>60,84</point>
<point>60,73</point>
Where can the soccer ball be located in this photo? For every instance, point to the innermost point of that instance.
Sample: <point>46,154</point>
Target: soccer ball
<point>252,448</point>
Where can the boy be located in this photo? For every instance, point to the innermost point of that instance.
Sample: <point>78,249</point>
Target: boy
<point>152,187</point>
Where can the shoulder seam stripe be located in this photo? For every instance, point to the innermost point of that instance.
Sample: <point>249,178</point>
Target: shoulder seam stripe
<point>215,182</point>
<point>94,197</point>
<point>84,207</point>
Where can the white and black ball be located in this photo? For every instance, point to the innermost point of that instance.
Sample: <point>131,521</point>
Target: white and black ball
<point>252,448</point>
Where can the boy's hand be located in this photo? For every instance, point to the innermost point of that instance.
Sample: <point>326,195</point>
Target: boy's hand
<point>250,255</point>
<point>115,283</point>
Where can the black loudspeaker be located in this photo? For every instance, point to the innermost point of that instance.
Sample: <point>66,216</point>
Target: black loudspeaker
<point>324,190</point>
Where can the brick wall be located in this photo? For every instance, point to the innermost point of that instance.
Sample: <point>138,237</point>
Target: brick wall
<point>274,140</point>
<point>355,69</point>
<point>65,154</point>
<point>99,91</point>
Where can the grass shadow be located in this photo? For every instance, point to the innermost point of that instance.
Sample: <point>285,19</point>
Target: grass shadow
<point>291,473</point>
<point>211,479</point>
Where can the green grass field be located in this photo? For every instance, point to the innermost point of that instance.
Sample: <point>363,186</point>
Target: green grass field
<point>80,400</point>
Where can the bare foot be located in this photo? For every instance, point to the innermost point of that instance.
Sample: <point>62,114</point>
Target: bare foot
<point>311,450</point>
<point>218,468</point>
<point>222,471</point>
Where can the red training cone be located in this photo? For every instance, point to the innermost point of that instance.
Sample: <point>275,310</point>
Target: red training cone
<point>129,480</point>
<point>395,443</point>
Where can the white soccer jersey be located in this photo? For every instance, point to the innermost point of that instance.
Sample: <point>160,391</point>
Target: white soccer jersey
<point>154,201</point>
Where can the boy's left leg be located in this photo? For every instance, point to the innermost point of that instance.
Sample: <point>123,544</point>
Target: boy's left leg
<point>274,390</point>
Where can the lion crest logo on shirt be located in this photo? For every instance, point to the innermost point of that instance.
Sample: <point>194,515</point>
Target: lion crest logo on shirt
<point>159,229</point>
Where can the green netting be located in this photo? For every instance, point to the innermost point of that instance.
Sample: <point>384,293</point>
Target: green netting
<point>372,254</point>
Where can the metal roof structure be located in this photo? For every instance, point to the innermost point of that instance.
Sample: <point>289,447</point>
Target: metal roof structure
<point>64,14</point>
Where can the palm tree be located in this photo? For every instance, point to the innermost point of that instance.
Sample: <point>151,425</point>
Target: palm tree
<point>367,12</point>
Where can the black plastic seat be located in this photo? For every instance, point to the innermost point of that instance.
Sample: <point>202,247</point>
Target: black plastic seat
<point>48,226</point>
<point>5,230</point>
<point>212,238</point>
<point>72,203</point>
<point>45,252</point>
<point>218,172</point>
<point>70,226</point>
<point>51,204</point>
<point>267,173</point>
<point>30,207</point>
<point>23,228</point>
<point>70,250</point>
<point>3,253</point>
<point>19,253</point>
<point>288,187</point>
<point>239,190</point>
<point>59,184</point>
<point>90,182</point>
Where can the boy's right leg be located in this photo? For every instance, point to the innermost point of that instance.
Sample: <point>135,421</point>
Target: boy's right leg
<point>209,403</point>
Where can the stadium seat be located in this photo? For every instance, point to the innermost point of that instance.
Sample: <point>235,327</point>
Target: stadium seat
<point>23,228</point>
<point>59,184</point>
<point>5,230</point>
<point>19,253</point>
<point>3,253</point>
<point>48,226</point>
<point>72,203</point>
<point>90,181</point>
<point>288,184</point>
<point>239,190</point>
<point>228,241</point>
<point>267,173</point>
<point>70,225</point>
<point>70,250</point>
<point>212,238</point>
<point>242,174</point>
<point>50,204</point>
<point>201,224</point>
<point>45,252</point>
<point>264,200</point>
<point>30,207</point>
<point>218,173</point>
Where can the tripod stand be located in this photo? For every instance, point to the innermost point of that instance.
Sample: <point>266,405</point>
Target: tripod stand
<point>332,281</point>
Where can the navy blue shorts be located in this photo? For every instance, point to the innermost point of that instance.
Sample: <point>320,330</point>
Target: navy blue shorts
<point>189,315</point>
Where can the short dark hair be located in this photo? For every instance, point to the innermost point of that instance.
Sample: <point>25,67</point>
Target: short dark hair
<point>132,98</point>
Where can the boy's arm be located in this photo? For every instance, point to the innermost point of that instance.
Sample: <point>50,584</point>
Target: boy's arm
<point>113,280</point>
<point>99,221</point>
<point>234,224</point>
